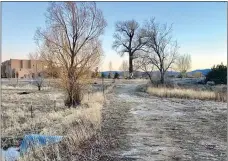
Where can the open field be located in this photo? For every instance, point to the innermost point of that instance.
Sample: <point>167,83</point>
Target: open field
<point>108,81</point>
<point>43,112</point>
<point>132,124</point>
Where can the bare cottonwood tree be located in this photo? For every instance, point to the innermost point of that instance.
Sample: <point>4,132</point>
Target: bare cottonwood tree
<point>183,64</point>
<point>144,64</point>
<point>110,66</point>
<point>71,40</point>
<point>129,38</point>
<point>110,69</point>
<point>162,51</point>
<point>124,68</point>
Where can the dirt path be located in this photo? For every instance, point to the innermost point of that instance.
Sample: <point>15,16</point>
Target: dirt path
<point>146,128</point>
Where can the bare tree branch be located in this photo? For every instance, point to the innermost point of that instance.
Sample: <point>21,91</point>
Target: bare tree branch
<point>161,51</point>
<point>71,41</point>
<point>128,38</point>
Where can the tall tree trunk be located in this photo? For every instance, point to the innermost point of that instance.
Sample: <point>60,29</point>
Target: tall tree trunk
<point>74,91</point>
<point>162,77</point>
<point>150,78</point>
<point>130,65</point>
<point>70,99</point>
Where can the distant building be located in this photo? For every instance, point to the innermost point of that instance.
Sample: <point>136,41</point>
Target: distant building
<point>21,68</point>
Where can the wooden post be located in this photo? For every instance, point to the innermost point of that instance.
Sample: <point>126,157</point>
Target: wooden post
<point>17,75</point>
<point>4,120</point>
<point>55,105</point>
<point>88,95</point>
<point>31,111</point>
<point>103,87</point>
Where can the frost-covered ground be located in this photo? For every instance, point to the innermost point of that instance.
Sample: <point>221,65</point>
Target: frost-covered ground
<point>147,128</point>
<point>137,126</point>
<point>43,111</point>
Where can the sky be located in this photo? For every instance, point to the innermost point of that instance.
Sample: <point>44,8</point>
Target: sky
<point>200,28</point>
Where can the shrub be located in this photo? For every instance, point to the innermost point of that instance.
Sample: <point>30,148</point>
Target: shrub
<point>218,74</point>
<point>171,76</point>
<point>109,75</point>
<point>38,81</point>
<point>116,76</point>
<point>179,76</point>
<point>102,75</point>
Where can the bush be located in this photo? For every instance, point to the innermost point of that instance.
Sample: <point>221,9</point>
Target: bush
<point>102,75</point>
<point>179,76</point>
<point>116,76</point>
<point>109,75</point>
<point>171,76</point>
<point>218,74</point>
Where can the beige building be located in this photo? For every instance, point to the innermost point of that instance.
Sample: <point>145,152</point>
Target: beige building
<point>24,68</point>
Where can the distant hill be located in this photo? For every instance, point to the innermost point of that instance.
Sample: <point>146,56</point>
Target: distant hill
<point>203,71</point>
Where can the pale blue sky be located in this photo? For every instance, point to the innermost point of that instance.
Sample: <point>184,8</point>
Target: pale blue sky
<point>199,27</point>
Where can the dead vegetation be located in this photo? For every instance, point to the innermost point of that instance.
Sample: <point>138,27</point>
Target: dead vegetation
<point>48,116</point>
<point>187,93</point>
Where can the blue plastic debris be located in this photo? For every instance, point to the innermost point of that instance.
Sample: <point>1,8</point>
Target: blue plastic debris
<point>11,154</point>
<point>35,140</point>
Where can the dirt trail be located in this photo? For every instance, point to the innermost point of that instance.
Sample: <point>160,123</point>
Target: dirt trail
<point>146,128</point>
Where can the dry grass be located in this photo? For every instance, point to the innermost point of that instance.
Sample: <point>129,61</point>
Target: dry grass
<point>76,124</point>
<point>187,93</point>
<point>71,148</point>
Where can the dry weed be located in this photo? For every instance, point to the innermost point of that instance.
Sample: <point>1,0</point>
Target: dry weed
<point>186,93</point>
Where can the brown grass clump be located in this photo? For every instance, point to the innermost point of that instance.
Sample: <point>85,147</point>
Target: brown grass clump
<point>187,93</point>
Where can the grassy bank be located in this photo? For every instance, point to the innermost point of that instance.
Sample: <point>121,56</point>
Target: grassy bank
<point>187,93</point>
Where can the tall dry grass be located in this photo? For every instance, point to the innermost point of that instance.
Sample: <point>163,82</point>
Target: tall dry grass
<point>77,125</point>
<point>80,128</point>
<point>187,93</point>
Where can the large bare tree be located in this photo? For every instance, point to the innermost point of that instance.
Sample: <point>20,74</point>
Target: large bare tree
<point>110,69</point>
<point>162,50</point>
<point>144,64</point>
<point>183,64</point>
<point>129,38</point>
<point>110,66</point>
<point>71,40</point>
<point>124,68</point>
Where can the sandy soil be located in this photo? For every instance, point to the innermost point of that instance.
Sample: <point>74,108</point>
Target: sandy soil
<point>147,128</point>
